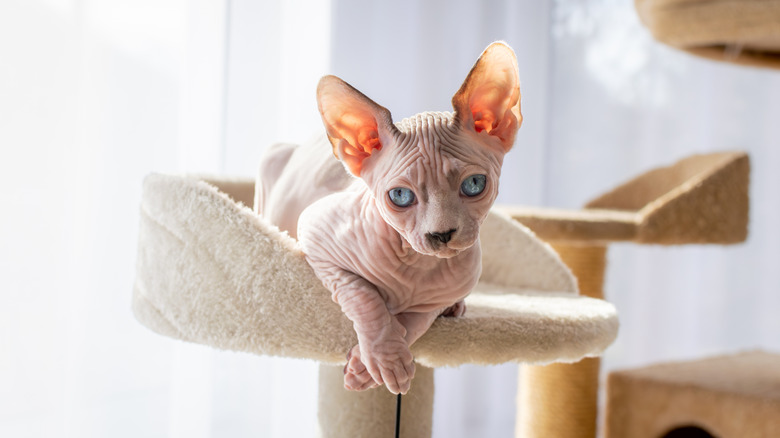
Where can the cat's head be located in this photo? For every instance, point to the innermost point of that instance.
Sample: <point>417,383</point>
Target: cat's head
<point>434,176</point>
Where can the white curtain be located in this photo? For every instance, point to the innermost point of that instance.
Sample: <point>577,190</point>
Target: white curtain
<point>94,94</point>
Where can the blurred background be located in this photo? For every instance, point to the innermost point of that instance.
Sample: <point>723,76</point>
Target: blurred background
<point>95,94</point>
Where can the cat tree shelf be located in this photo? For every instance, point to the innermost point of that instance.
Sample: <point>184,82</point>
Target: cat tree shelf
<point>744,32</point>
<point>700,199</point>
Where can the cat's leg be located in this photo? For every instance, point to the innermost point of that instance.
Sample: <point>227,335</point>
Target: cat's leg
<point>416,324</point>
<point>356,377</point>
<point>383,349</point>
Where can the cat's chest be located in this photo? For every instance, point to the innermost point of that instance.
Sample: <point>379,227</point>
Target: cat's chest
<point>412,282</point>
<point>351,235</point>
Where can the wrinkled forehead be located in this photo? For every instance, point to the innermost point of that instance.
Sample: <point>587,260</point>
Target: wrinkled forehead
<point>435,136</point>
<point>430,148</point>
<point>426,133</point>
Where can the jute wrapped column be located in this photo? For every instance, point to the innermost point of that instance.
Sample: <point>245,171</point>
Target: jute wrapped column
<point>559,399</point>
<point>701,199</point>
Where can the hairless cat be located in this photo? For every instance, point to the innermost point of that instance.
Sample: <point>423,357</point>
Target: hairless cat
<point>391,228</point>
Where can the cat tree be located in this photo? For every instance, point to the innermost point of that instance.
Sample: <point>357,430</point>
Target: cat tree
<point>729,395</point>
<point>212,271</point>
<point>702,199</point>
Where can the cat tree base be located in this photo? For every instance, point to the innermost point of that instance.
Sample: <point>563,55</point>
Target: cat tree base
<point>726,396</point>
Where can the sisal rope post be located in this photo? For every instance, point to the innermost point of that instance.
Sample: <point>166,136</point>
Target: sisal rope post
<point>561,400</point>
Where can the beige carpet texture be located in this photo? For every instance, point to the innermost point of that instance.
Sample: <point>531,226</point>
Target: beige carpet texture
<point>699,199</point>
<point>745,32</point>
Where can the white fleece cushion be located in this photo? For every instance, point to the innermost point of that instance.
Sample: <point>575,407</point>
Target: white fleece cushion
<point>211,271</point>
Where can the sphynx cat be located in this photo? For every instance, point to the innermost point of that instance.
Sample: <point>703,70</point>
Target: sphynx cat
<point>395,237</point>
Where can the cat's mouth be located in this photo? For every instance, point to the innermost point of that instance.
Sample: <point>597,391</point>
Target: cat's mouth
<point>446,253</point>
<point>425,245</point>
<point>445,250</point>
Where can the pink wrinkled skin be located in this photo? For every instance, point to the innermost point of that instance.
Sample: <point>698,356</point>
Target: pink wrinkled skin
<point>382,263</point>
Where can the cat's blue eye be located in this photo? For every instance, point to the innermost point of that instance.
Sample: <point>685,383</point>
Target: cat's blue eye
<point>473,185</point>
<point>401,196</point>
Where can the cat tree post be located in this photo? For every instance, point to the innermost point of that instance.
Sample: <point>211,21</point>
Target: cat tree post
<point>372,413</point>
<point>547,391</point>
<point>701,199</point>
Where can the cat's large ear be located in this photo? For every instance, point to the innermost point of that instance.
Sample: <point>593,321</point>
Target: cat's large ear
<point>356,125</point>
<point>489,99</point>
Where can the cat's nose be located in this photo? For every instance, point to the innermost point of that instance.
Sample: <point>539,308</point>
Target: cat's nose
<point>442,237</point>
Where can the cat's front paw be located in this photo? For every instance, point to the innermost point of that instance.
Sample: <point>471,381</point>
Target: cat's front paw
<point>388,359</point>
<point>356,376</point>
<point>395,368</point>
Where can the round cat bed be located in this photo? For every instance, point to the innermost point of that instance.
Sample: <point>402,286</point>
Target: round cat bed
<point>212,271</point>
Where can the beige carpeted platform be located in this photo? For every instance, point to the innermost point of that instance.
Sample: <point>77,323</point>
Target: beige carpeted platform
<point>700,199</point>
<point>745,32</point>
